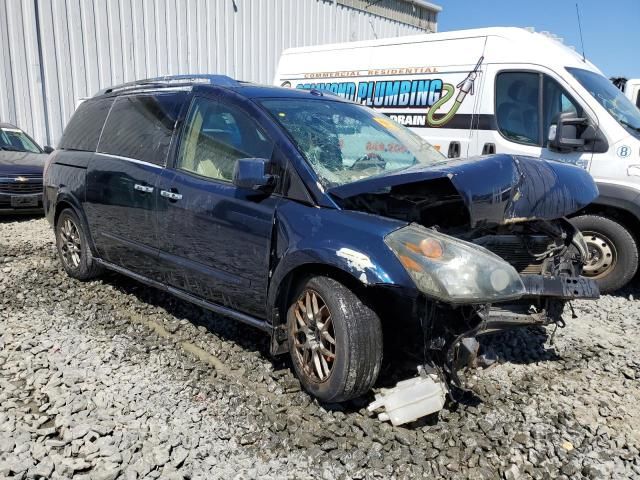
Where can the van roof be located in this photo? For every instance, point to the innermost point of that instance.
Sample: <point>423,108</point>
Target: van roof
<point>507,45</point>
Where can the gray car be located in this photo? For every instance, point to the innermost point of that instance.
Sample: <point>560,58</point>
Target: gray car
<point>21,168</point>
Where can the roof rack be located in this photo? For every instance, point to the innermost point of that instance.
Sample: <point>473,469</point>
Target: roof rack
<point>173,81</point>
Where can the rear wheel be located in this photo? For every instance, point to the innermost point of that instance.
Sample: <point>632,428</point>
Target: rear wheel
<point>613,251</point>
<point>335,340</point>
<point>73,248</point>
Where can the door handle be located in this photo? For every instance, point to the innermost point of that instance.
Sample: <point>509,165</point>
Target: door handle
<point>143,188</point>
<point>171,195</point>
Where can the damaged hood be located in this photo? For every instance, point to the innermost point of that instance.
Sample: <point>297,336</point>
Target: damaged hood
<point>498,189</point>
<point>21,163</point>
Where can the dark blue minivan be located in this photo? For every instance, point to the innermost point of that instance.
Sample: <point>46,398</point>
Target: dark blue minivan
<point>315,219</point>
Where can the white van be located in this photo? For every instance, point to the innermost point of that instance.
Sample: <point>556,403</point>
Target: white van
<point>501,90</point>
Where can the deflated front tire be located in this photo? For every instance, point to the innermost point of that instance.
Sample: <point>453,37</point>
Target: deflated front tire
<point>335,340</point>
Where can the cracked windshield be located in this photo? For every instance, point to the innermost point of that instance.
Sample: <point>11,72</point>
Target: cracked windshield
<point>344,142</point>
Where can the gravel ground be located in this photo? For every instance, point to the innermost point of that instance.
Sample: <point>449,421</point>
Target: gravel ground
<point>110,379</point>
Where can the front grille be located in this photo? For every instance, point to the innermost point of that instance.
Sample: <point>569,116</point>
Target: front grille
<point>23,175</point>
<point>11,186</point>
<point>518,251</point>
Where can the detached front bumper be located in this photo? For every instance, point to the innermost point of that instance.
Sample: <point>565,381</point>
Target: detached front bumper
<point>542,304</point>
<point>563,287</point>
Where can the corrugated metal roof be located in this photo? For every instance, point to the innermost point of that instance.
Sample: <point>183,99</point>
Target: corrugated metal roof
<point>56,52</point>
<point>417,13</point>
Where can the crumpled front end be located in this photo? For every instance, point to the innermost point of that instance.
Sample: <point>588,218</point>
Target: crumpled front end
<point>544,260</point>
<point>487,246</point>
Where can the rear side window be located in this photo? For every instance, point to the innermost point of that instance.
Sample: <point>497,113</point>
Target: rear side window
<point>141,126</point>
<point>83,130</point>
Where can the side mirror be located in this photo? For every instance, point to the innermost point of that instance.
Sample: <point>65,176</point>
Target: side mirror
<point>47,149</point>
<point>564,132</point>
<point>253,174</point>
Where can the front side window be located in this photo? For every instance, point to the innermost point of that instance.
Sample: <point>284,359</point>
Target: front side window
<point>16,140</point>
<point>517,109</point>
<point>215,136</point>
<point>141,126</point>
<point>519,98</point>
<point>556,100</point>
<point>83,130</point>
<point>612,99</point>
<point>344,142</point>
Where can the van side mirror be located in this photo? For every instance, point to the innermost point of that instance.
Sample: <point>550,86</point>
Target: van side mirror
<point>253,174</point>
<point>564,132</point>
<point>47,149</point>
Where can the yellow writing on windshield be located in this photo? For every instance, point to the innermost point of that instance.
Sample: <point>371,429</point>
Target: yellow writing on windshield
<point>386,123</point>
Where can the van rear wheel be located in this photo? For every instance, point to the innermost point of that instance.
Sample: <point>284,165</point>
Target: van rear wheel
<point>335,340</point>
<point>613,251</point>
<point>73,248</point>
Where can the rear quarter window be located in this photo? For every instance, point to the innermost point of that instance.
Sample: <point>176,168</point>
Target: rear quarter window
<point>141,126</point>
<point>83,130</point>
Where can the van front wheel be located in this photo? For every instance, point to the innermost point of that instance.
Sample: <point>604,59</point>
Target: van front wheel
<point>335,340</point>
<point>613,251</point>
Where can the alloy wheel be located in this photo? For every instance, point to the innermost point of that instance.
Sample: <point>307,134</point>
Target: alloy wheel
<point>314,336</point>
<point>70,244</point>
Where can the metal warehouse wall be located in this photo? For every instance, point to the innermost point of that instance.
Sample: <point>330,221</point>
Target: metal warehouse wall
<point>55,52</point>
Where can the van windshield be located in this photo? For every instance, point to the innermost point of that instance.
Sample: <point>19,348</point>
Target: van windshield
<point>344,142</point>
<point>612,99</point>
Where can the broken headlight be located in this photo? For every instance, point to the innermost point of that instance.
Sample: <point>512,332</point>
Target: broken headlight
<point>453,270</point>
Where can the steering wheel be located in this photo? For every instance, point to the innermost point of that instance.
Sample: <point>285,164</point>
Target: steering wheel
<point>369,160</point>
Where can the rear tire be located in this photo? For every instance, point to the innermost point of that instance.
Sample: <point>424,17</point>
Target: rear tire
<point>73,248</point>
<point>614,251</point>
<point>336,349</point>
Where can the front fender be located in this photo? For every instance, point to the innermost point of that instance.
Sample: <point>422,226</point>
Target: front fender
<point>352,242</point>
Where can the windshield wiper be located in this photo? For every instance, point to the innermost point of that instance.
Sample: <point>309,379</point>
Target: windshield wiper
<point>10,149</point>
<point>628,125</point>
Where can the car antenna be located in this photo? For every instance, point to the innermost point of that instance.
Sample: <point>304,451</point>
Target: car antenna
<point>584,58</point>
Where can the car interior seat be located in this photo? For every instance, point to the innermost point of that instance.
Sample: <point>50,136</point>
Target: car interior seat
<point>215,153</point>
<point>519,114</point>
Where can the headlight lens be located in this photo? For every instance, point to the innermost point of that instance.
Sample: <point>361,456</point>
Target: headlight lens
<point>453,270</point>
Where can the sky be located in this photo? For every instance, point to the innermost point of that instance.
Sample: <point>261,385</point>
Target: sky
<point>610,28</point>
